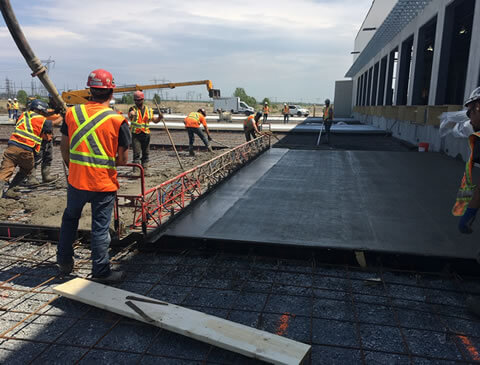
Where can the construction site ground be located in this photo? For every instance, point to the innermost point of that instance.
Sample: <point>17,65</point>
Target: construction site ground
<point>380,314</point>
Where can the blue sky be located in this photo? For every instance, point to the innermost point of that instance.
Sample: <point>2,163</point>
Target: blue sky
<point>284,50</point>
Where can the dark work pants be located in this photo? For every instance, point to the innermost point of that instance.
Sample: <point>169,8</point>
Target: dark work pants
<point>249,134</point>
<point>141,145</point>
<point>191,136</point>
<point>286,118</point>
<point>328,125</point>
<point>45,156</point>
<point>102,208</point>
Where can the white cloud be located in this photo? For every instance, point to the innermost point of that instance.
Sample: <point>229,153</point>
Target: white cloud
<point>270,47</point>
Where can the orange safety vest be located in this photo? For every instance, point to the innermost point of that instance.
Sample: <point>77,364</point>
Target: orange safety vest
<point>194,119</point>
<point>326,111</point>
<point>248,122</point>
<point>93,132</point>
<point>286,109</point>
<point>140,125</point>
<point>266,109</point>
<point>467,188</point>
<point>28,130</point>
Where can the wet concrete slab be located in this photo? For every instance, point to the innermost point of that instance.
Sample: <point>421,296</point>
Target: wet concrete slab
<point>395,202</point>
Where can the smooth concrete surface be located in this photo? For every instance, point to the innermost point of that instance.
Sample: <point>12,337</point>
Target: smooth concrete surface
<point>395,202</point>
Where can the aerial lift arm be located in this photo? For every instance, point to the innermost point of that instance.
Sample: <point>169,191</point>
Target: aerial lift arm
<point>81,96</point>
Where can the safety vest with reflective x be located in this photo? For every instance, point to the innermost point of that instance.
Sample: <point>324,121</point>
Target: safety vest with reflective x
<point>28,130</point>
<point>467,188</point>
<point>85,146</point>
<point>140,125</point>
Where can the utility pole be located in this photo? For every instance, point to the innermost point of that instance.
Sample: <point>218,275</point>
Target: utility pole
<point>7,87</point>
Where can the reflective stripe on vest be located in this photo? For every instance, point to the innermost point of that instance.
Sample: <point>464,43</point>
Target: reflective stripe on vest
<point>24,130</point>
<point>195,116</point>
<point>85,132</point>
<point>141,124</point>
<point>467,188</point>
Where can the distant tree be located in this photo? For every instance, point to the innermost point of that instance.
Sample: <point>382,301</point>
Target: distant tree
<point>240,92</point>
<point>156,98</point>
<point>266,100</point>
<point>127,99</point>
<point>22,97</point>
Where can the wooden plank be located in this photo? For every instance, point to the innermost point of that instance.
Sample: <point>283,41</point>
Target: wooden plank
<point>203,327</point>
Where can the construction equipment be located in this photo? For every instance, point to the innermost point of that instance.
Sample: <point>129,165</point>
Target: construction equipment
<point>82,96</point>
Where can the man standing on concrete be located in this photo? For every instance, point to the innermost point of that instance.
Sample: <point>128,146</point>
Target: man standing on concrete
<point>286,113</point>
<point>24,142</point>
<point>9,108</point>
<point>15,109</point>
<point>140,116</point>
<point>192,124</point>
<point>468,196</point>
<point>95,140</point>
<point>250,126</point>
<point>327,118</point>
<point>266,110</point>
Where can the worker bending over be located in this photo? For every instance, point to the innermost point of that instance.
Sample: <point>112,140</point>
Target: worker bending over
<point>26,140</point>
<point>192,124</point>
<point>45,157</point>
<point>327,118</point>
<point>250,126</point>
<point>140,116</point>
<point>286,113</point>
<point>95,141</point>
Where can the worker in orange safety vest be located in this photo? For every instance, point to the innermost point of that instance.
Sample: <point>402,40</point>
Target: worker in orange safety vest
<point>95,140</point>
<point>327,118</point>
<point>24,142</point>
<point>286,113</point>
<point>140,116</point>
<point>250,126</point>
<point>15,108</point>
<point>266,110</point>
<point>192,124</point>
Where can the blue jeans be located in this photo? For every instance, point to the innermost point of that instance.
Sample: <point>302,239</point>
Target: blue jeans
<point>10,113</point>
<point>102,208</point>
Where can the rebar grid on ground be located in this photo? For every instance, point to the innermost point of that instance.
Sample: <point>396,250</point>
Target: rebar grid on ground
<point>345,313</point>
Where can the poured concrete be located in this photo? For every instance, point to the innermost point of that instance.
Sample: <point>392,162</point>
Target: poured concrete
<point>396,202</point>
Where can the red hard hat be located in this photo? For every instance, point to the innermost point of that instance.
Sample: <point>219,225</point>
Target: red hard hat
<point>101,79</point>
<point>138,95</point>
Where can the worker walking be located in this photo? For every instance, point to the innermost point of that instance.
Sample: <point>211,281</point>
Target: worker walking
<point>250,126</point>
<point>327,118</point>
<point>95,140</point>
<point>15,109</point>
<point>26,140</point>
<point>468,196</point>
<point>266,110</point>
<point>10,108</point>
<point>140,116</point>
<point>192,124</point>
<point>286,113</point>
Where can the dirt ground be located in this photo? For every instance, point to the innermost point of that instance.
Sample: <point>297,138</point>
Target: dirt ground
<point>44,205</point>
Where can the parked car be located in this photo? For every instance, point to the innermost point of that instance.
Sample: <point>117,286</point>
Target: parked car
<point>296,110</point>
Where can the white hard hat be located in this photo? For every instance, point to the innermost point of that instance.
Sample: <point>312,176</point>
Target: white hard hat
<point>284,103</point>
<point>112,102</point>
<point>9,99</point>
<point>266,103</point>
<point>474,96</point>
<point>15,99</point>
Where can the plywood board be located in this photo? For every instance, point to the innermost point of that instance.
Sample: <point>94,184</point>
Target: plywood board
<point>200,326</point>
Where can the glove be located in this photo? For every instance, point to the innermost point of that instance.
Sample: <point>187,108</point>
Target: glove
<point>465,224</point>
<point>209,138</point>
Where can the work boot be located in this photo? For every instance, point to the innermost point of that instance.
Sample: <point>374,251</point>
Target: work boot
<point>32,179</point>
<point>210,149</point>
<point>473,305</point>
<point>146,171</point>
<point>190,151</point>
<point>10,193</point>
<point>46,176</point>
<point>66,269</point>
<point>112,278</point>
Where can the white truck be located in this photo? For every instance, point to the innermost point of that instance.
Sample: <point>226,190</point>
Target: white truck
<point>233,105</point>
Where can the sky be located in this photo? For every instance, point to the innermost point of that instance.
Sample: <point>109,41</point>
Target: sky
<point>283,50</point>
